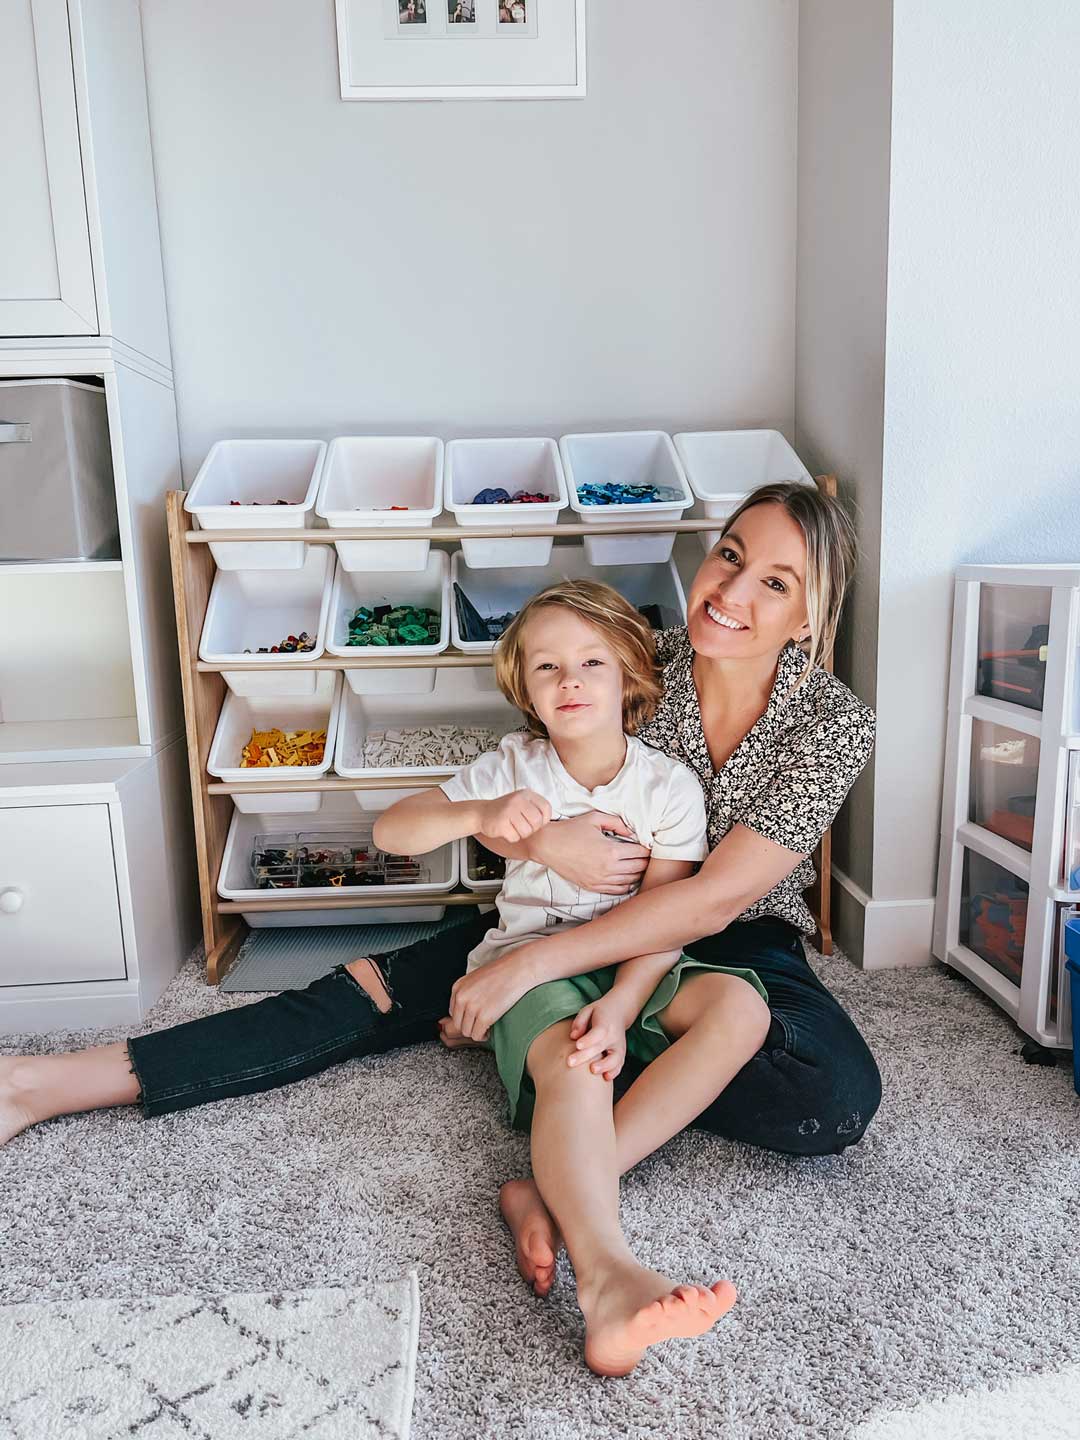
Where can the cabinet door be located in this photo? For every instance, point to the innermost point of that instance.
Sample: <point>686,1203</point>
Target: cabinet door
<point>46,277</point>
<point>59,911</point>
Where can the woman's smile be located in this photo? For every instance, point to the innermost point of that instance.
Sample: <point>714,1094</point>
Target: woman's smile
<point>721,617</point>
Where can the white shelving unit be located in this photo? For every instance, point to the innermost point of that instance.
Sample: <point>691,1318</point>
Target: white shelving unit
<point>1003,872</point>
<point>95,828</point>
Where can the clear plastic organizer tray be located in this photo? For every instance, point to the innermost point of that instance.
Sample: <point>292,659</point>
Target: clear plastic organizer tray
<point>239,487</point>
<point>476,861</point>
<point>628,457</point>
<point>510,464</point>
<point>429,587</point>
<point>241,714</point>
<point>253,608</point>
<point>993,915</point>
<point>340,827</point>
<point>457,703</point>
<point>364,478</point>
<point>724,466</point>
<point>495,593</point>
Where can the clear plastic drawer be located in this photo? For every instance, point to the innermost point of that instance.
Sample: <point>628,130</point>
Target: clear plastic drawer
<point>1004,772</point>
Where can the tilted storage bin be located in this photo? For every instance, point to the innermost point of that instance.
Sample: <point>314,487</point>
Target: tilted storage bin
<point>253,608</point>
<point>57,498</point>
<point>241,714</point>
<point>428,587</point>
<point>364,477</point>
<point>724,466</point>
<point>629,457</point>
<point>257,474</point>
<point>512,465</point>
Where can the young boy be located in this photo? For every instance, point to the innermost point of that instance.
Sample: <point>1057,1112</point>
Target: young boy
<point>580,663</point>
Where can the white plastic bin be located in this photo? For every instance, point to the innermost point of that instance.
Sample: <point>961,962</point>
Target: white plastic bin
<point>235,880</point>
<point>458,698</point>
<point>629,457</point>
<point>251,608</point>
<point>513,465</point>
<point>429,586</point>
<point>465,863</point>
<point>258,473</point>
<point>241,714</point>
<point>723,466</point>
<point>497,592</point>
<point>366,474</point>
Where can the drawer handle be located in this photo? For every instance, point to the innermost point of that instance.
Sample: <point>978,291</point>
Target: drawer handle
<point>11,901</point>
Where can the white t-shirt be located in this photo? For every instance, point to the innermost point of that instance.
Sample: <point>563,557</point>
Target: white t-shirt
<point>656,797</point>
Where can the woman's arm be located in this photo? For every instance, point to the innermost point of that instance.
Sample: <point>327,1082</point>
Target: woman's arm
<point>743,867</point>
<point>579,851</point>
<point>428,819</point>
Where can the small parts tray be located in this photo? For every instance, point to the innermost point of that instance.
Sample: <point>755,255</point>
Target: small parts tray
<point>328,859</point>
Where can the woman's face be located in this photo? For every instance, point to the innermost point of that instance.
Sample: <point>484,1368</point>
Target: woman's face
<point>749,597</point>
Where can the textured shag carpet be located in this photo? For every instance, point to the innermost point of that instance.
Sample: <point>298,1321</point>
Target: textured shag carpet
<point>939,1256</point>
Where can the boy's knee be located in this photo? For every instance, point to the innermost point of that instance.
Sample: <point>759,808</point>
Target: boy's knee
<point>549,1052</point>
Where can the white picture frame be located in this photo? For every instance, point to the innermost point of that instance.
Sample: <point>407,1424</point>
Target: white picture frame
<point>385,55</point>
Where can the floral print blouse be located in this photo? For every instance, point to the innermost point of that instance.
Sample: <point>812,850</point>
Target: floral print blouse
<point>787,777</point>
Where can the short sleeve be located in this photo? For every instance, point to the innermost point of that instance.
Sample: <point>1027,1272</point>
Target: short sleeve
<point>681,831</point>
<point>487,777</point>
<point>814,774</point>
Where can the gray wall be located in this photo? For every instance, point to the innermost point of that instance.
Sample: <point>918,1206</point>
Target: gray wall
<point>845,63</point>
<point>476,266</point>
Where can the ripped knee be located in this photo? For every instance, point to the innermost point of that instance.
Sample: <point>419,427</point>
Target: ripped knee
<point>373,983</point>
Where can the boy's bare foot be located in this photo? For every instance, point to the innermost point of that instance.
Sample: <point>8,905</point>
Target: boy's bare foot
<point>16,1114</point>
<point>632,1308</point>
<point>536,1236</point>
<point>452,1037</point>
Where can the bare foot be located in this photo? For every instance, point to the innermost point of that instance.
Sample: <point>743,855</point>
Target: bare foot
<point>452,1037</point>
<point>536,1236</point>
<point>633,1308</point>
<point>15,1112</point>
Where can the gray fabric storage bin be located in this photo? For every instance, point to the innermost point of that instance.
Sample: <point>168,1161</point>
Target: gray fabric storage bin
<point>57,500</point>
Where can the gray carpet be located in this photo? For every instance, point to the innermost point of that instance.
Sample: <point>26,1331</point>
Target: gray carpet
<point>938,1256</point>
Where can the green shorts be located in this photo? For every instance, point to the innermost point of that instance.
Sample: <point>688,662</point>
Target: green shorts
<point>558,1000</point>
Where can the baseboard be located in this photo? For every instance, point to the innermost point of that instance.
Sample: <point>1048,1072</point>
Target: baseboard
<point>881,934</point>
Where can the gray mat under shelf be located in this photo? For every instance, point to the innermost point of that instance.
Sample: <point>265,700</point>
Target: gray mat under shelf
<point>288,959</point>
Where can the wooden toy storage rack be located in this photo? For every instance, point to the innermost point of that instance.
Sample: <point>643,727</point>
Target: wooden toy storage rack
<point>204,690</point>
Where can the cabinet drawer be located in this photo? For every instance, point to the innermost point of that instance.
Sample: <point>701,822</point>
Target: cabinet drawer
<point>59,911</point>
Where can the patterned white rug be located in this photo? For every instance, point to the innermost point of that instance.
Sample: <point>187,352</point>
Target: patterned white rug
<point>322,1364</point>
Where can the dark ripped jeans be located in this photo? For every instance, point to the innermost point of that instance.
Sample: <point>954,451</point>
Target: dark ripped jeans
<point>810,1090</point>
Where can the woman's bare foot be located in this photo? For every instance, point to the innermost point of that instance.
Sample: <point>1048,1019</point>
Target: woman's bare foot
<point>16,1110</point>
<point>452,1037</point>
<point>536,1236</point>
<point>631,1308</point>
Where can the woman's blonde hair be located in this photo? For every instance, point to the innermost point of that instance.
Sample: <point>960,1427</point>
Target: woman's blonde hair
<point>830,558</point>
<point>626,632</point>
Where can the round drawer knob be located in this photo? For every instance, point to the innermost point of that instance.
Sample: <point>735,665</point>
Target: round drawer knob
<point>10,901</point>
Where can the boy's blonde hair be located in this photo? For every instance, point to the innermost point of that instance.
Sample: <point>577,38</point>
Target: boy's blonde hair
<point>626,632</point>
<point>831,550</point>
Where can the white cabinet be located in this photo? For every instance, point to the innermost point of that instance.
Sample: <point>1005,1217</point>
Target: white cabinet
<point>59,912</point>
<point>80,252</point>
<point>46,276</point>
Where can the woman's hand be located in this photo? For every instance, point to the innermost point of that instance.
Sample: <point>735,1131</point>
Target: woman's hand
<point>578,851</point>
<point>600,1032</point>
<point>515,816</point>
<point>485,995</point>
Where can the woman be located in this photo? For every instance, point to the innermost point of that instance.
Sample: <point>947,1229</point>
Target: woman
<point>776,742</point>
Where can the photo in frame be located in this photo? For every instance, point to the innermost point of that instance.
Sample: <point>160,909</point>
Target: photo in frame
<point>461,49</point>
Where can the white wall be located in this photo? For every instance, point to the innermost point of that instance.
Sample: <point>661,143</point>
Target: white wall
<point>845,61</point>
<point>982,399</point>
<point>476,266</point>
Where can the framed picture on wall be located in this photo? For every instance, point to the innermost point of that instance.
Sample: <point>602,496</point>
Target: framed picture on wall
<point>461,49</point>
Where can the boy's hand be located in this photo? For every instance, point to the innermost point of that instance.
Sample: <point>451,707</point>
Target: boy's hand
<point>515,816</point>
<point>600,1032</point>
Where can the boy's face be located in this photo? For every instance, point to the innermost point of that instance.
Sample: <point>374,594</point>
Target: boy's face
<point>574,679</point>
